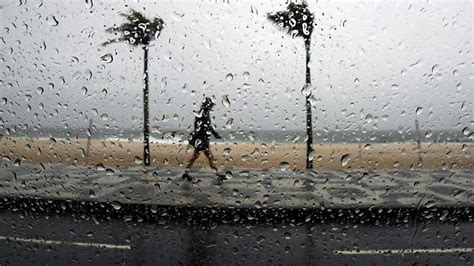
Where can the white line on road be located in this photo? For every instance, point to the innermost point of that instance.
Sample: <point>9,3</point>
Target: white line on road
<point>55,242</point>
<point>403,251</point>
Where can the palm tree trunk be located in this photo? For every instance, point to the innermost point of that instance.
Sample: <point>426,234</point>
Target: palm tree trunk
<point>309,124</point>
<point>146,122</point>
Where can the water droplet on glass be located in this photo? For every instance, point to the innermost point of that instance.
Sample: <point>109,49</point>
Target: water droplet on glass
<point>228,175</point>
<point>138,160</point>
<point>428,134</point>
<point>229,123</point>
<point>435,69</point>
<point>284,166</point>
<point>100,167</point>
<point>39,90</point>
<point>419,110</point>
<point>104,117</point>
<point>88,74</point>
<point>306,90</point>
<point>229,77</point>
<point>466,131</point>
<point>116,205</point>
<point>52,21</point>
<point>313,100</point>
<point>225,101</point>
<point>89,4</point>
<point>107,58</point>
<point>345,159</point>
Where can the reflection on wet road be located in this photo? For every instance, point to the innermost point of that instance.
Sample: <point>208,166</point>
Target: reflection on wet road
<point>60,239</point>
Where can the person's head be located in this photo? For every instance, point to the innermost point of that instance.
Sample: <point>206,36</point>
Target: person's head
<point>207,104</point>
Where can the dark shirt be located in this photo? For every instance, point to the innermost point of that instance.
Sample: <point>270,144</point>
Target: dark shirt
<point>202,131</point>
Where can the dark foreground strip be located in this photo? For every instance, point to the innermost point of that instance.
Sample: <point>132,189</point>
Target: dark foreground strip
<point>218,215</point>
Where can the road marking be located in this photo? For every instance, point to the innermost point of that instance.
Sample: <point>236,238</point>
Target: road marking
<point>403,251</point>
<point>55,242</point>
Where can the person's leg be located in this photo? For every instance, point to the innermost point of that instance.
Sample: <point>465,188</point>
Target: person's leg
<point>191,160</point>
<point>211,159</point>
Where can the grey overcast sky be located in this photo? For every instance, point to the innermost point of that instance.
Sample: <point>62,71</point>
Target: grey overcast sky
<point>375,63</point>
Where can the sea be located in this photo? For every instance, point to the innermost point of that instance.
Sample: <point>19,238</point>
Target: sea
<point>252,136</point>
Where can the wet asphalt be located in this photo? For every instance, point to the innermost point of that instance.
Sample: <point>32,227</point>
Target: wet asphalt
<point>28,238</point>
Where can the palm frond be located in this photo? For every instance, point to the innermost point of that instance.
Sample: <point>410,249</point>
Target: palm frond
<point>111,41</point>
<point>138,30</point>
<point>297,20</point>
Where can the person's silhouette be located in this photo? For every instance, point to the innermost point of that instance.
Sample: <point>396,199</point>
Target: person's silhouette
<point>199,139</point>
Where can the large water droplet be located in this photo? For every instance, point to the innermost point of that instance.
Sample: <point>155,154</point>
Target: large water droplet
<point>116,205</point>
<point>39,90</point>
<point>138,160</point>
<point>284,166</point>
<point>100,167</point>
<point>313,100</point>
<point>229,123</point>
<point>88,74</point>
<point>229,175</point>
<point>428,134</point>
<point>306,90</point>
<point>419,110</point>
<point>107,58</point>
<point>229,77</point>
<point>345,159</point>
<point>225,101</point>
<point>104,117</point>
<point>52,21</point>
<point>89,4</point>
<point>466,131</point>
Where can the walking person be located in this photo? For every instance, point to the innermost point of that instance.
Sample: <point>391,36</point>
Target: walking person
<point>199,139</point>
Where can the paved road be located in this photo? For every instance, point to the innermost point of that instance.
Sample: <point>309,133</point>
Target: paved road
<point>81,239</point>
<point>245,188</point>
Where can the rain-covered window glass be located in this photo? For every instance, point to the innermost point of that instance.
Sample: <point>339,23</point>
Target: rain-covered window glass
<point>233,132</point>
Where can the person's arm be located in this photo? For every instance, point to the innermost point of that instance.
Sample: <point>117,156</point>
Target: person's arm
<point>214,132</point>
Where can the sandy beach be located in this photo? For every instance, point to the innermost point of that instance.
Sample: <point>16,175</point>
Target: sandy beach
<point>241,155</point>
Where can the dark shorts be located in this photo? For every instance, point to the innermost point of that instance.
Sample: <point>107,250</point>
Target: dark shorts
<point>201,145</point>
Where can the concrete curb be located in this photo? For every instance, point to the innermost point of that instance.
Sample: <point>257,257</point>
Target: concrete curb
<point>157,213</point>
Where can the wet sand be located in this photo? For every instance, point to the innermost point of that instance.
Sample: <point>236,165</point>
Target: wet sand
<point>242,155</point>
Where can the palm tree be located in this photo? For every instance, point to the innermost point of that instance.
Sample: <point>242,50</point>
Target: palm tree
<point>140,31</point>
<point>297,20</point>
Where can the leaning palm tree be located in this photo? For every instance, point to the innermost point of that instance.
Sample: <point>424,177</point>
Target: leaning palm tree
<point>140,31</point>
<point>297,20</point>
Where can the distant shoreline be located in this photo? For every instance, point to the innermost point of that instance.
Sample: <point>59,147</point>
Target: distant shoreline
<point>255,136</point>
<point>224,141</point>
